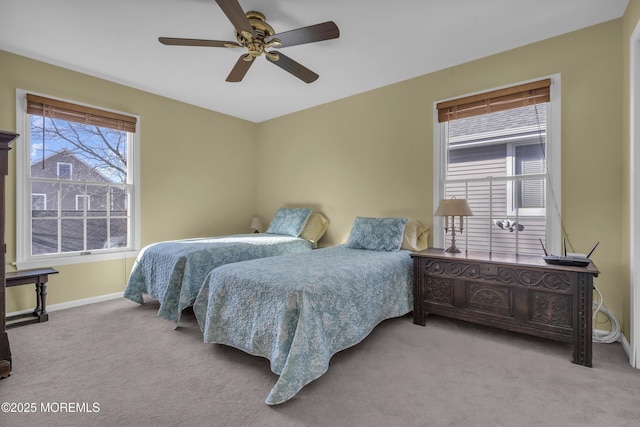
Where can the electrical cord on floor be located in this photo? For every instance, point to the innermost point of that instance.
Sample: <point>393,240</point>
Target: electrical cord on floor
<point>599,307</point>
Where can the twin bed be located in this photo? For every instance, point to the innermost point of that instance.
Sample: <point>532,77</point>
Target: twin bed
<point>172,272</point>
<point>299,309</point>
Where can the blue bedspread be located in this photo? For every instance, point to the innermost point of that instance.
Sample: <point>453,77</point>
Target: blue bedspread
<point>298,310</point>
<point>173,271</point>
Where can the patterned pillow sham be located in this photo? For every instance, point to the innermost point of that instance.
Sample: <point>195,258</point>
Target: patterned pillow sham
<point>289,221</point>
<point>377,234</point>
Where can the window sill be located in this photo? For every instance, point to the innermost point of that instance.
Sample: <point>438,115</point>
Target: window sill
<point>74,259</point>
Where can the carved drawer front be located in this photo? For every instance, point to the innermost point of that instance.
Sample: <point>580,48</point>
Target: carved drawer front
<point>491,298</point>
<point>452,268</point>
<point>439,290</point>
<point>551,309</point>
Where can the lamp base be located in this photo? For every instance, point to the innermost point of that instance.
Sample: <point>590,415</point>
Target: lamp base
<point>453,250</point>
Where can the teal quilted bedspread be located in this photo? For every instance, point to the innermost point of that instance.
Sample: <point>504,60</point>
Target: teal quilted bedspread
<point>298,310</point>
<point>173,272</point>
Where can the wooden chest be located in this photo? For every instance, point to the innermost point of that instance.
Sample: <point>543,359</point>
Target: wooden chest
<point>520,294</point>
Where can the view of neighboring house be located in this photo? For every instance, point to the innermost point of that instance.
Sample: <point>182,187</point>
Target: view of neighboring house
<point>485,153</point>
<point>74,206</point>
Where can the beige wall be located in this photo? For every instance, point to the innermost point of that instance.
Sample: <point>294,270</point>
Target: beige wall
<point>372,154</point>
<point>197,178</point>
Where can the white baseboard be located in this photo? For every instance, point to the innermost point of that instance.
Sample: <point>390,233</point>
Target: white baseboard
<point>71,304</point>
<point>626,346</point>
<point>622,339</point>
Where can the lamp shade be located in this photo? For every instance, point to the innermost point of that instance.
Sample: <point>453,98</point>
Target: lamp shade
<point>256,224</point>
<point>453,207</point>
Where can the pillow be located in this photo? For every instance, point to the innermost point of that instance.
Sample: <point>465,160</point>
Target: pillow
<point>289,221</point>
<point>377,234</point>
<point>415,236</point>
<point>315,228</point>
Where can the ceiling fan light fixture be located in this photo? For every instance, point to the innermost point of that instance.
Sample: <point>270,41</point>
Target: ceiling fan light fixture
<point>256,35</point>
<point>256,48</point>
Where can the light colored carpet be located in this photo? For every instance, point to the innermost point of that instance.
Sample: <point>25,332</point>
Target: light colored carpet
<point>141,372</point>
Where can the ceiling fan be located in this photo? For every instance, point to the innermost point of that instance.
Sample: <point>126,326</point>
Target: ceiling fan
<point>256,35</point>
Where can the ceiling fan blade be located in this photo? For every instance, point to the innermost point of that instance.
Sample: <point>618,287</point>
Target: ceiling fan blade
<point>196,42</point>
<point>295,68</point>
<point>313,33</point>
<point>240,69</point>
<point>236,15</point>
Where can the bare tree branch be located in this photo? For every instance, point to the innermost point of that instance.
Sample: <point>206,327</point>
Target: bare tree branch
<point>102,149</point>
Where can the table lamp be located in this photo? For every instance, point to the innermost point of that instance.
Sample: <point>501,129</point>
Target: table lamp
<point>256,224</point>
<point>452,208</point>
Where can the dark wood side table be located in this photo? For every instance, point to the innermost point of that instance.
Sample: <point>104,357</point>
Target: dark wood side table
<point>39,278</point>
<point>521,294</point>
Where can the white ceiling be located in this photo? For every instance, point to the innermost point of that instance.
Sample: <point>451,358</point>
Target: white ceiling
<point>381,42</point>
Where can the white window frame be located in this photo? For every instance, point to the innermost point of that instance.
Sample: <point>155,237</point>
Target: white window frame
<point>24,258</point>
<point>553,149</point>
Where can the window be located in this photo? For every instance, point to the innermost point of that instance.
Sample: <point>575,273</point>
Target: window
<point>80,202</point>
<point>64,170</point>
<point>38,202</point>
<point>528,197</point>
<point>500,151</point>
<point>77,182</point>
